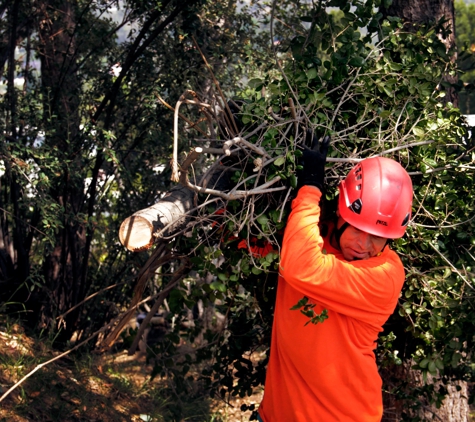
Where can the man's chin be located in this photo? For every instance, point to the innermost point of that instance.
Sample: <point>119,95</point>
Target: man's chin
<point>354,256</point>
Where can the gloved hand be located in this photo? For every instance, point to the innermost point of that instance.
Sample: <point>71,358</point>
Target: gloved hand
<point>313,162</point>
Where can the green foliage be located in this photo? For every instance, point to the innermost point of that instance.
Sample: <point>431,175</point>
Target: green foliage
<point>306,309</point>
<point>81,148</point>
<point>82,144</point>
<point>379,91</point>
<point>86,147</point>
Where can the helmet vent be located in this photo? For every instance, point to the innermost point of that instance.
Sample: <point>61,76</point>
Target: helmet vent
<point>356,206</point>
<point>358,187</point>
<point>405,222</point>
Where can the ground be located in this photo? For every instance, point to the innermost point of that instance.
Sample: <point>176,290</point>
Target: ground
<point>110,387</point>
<point>89,387</point>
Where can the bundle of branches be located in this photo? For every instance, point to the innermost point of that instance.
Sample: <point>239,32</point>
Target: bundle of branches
<point>378,93</point>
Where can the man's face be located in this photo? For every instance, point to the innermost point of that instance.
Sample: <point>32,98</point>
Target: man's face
<point>356,244</point>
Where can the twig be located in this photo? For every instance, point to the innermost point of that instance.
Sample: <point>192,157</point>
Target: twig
<point>20,220</point>
<point>218,151</point>
<point>415,144</point>
<point>283,205</point>
<point>158,258</point>
<point>435,170</point>
<point>217,84</point>
<point>237,194</point>
<point>190,159</point>
<point>182,116</point>
<point>238,140</point>
<point>294,115</point>
<point>271,30</point>
<point>450,226</point>
<point>175,177</point>
<point>89,298</point>
<point>454,268</point>
<point>234,194</point>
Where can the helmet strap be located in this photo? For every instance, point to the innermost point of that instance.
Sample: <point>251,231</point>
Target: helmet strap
<point>338,232</point>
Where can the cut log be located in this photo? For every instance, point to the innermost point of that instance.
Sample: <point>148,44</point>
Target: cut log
<point>139,231</point>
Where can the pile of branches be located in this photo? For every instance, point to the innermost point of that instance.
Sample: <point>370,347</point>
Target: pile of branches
<point>223,222</point>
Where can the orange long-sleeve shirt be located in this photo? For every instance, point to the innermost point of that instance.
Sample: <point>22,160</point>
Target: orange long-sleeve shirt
<point>327,372</point>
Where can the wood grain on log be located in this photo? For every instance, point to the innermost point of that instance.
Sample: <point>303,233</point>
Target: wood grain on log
<point>139,231</point>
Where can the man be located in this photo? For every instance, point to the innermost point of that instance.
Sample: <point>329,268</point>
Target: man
<point>327,372</point>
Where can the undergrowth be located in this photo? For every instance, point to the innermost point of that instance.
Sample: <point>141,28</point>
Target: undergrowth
<point>91,387</point>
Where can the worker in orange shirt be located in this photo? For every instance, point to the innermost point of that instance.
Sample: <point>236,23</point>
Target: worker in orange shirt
<point>327,372</point>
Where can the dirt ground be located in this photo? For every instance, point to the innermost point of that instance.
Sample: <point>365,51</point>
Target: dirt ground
<point>111,387</point>
<point>103,388</point>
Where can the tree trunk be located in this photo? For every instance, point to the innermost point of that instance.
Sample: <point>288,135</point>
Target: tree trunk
<point>60,83</point>
<point>415,404</point>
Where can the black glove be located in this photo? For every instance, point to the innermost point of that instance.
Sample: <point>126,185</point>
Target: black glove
<point>313,162</point>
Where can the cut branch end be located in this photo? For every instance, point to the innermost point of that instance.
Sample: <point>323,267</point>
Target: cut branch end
<point>136,233</point>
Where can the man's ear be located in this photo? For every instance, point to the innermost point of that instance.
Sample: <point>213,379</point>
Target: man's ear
<point>337,212</point>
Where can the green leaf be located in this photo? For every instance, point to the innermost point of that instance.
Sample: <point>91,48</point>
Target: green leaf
<point>302,302</point>
<point>256,83</point>
<point>293,181</point>
<point>418,131</point>
<point>246,119</point>
<point>312,73</point>
<point>220,287</point>
<point>447,273</point>
<point>456,357</point>
<point>389,92</point>
<point>356,61</point>
<point>263,219</point>
<point>271,256</point>
<point>423,363</point>
<point>279,161</point>
<point>395,66</point>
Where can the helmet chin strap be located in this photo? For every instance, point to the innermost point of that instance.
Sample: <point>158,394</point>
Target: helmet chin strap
<point>338,232</point>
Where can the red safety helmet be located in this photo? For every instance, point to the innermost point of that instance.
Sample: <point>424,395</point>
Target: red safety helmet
<point>376,197</point>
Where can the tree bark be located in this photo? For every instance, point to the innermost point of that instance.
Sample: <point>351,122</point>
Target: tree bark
<point>61,86</point>
<point>454,407</point>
